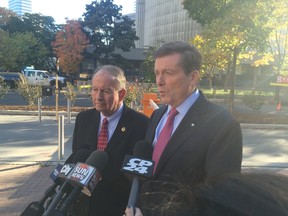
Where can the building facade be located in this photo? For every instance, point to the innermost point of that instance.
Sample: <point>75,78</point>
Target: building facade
<point>20,6</point>
<point>163,21</point>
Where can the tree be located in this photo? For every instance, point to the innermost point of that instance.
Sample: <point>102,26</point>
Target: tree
<point>4,88</point>
<point>214,54</point>
<point>238,24</point>
<point>278,40</point>
<point>206,11</point>
<point>14,25</point>
<point>69,46</point>
<point>108,30</point>
<point>42,28</point>
<point>148,65</point>
<point>5,15</point>
<point>30,93</point>
<point>20,49</point>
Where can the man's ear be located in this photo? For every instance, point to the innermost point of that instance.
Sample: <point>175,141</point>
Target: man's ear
<point>195,76</point>
<point>122,93</point>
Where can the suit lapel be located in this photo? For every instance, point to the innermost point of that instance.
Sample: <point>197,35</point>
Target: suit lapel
<point>188,127</point>
<point>97,119</point>
<point>155,119</point>
<point>121,129</point>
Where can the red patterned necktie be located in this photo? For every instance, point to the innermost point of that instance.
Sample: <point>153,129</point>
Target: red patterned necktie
<point>164,137</point>
<point>103,136</point>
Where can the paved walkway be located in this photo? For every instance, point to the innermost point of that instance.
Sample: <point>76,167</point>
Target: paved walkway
<point>29,154</point>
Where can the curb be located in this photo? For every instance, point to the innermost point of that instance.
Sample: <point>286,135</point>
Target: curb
<point>264,126</point>
<point>31,163</point>
<point>74,114</point>
<point>35,113</point>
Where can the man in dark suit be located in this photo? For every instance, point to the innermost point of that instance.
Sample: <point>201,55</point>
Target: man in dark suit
<point>125,128</point>
<point>205,142</point>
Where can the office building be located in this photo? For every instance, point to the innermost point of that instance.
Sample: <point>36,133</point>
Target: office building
<point>20,6</point>
<point>163,20</point>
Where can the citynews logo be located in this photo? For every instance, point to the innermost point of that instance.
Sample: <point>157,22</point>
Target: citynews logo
<point>138,166</point>
<point>66,169</point>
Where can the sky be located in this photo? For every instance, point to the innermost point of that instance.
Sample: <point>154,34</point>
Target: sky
<point>73,9</point>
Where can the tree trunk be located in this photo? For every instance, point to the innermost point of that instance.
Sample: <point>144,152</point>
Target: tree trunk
<point>227,78</point>
<point>233,75</point>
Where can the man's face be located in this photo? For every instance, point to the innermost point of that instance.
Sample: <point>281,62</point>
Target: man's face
<point>105,97</point>
<point>174,85</point>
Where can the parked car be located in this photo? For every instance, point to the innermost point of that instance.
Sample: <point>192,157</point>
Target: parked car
<point>10,78</point>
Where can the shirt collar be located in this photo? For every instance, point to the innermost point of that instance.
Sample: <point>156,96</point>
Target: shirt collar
<point>186,104</point>
<point>115,115</point>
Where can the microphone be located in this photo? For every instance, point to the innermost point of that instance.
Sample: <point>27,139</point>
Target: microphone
<point>37,208</point>
<point>84,176</point>
<point>61,179</point>
<point>139,165</point>
<point>59,173</point>
<point>79,156</point>
<point>88,174</point>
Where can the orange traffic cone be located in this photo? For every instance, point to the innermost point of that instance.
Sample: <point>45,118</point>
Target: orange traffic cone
<point>279,106</point>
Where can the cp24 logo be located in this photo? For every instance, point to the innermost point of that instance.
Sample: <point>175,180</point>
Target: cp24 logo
<point>138,165</point>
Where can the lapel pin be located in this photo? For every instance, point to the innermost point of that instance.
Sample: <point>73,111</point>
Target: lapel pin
<point>192,124</point>
<point>123,129</point>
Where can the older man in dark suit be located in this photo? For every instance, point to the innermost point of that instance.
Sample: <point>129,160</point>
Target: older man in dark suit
<point>125,127</point>
<point>192,138</point>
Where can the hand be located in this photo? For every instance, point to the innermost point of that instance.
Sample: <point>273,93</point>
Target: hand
<point>130,212</point>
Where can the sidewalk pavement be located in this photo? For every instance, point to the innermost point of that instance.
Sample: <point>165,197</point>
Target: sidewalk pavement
<point>29,154</point>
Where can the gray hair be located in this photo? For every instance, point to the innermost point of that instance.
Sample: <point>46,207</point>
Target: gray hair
<point>116,72</point>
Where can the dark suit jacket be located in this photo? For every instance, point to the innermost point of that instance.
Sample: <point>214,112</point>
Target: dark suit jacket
<point>206,144</point>
<point>111,194</point>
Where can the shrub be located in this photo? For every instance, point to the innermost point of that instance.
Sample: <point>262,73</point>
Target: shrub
<point>3,88</point>
<point>30,93</point>
<point>254,100</point>
<point>70,93</point>
<point>135,92</point>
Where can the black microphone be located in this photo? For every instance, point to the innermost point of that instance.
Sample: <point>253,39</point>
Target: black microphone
<point>58,176</point>
<point>139,165</point>
<point>84,176</point>
<point>78,156</point>
<point>37,208</point>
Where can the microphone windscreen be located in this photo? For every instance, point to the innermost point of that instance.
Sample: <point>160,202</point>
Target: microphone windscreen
<point>81,156</point>
<point>143,149</point>
<point>98,159</point>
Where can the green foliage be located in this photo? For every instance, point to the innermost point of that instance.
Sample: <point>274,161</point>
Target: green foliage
<point>42,27</point>
<point>4,88</point>
<point>278,40</point>
<point>5,15</point>
<point>215,54</point>
<point>206,11</point>
<point>108,30</point>
<point>231,27</point>
<point>20,49</point>
<point>28,92</point>
<point>43,31</point>
<point>70,93</point>
<point>148,65</point>
<point>254,99</point>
